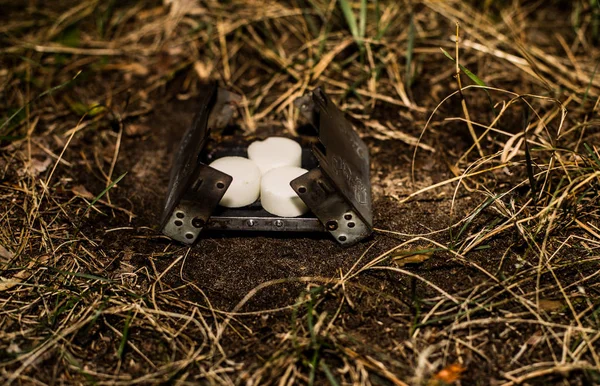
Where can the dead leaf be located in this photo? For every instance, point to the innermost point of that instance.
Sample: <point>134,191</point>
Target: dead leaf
<point>6,284</point>
<point>535,338</point>
<point>134,68</point>
<point>136,130</point>
<point>550,305</point>
<point>36,167</point>
<point>13,348</point>
<point>454,169</point>
<point>22,275</point>
<point>448,375</point>
<point>5,253</point>
<point>402,258</point>
<point>203,70</point>
<point>81,191</point>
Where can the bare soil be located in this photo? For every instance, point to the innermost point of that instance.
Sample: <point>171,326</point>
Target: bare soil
<point>481,269</point>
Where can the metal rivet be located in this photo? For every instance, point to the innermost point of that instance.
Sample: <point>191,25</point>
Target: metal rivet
<point>348,216</point>
<point>278,223</point>
<point>220,185</point>
<point>189,235</point>
<point>178,223</point>
<point>351,224</point>
<point>342,238</point>
<point>198,222</point>
<point>180,215</point>
<point>302,190</point>
<point>331,225</point>
<point>250,223</point>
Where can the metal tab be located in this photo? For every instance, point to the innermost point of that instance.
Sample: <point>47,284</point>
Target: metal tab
<point>333,210</point>
<point>199,201</point>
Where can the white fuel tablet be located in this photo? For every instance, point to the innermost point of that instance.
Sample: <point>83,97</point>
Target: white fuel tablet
<point>245,187</point>
<point>277,196</point>
<point>275,152</point>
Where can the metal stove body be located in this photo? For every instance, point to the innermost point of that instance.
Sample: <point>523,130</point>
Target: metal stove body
<point>337,188</point>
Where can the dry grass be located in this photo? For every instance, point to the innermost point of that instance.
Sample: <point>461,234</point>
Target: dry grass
<point>517,133</point>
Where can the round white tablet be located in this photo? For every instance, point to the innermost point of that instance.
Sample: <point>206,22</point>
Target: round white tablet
<point>277,196</point>
<point>245,187</point>
<point>275,152</point>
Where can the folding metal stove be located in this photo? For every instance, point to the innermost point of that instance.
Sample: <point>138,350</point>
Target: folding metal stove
<point>337,188</point>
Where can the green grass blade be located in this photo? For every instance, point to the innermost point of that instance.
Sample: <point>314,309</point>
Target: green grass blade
<point>125,333</point>
<point>362,27</point>
<point>310,321</point>
<point>414,252</point>
<point>313,368</point>
<point>409,51</point>
<point>592,154</point>
<point>81,275</point>
<point>415,305</point>
<point>595,18</point>
<point>328,374</point>
<point>472,217</point>
<point>382,31</point>
<point>49,91</point>
<point>474,78</point>
<point>109,187</point>
<point>74,363</point>
<point>471,76</point>
<point>447,54</point>
<point>294,320</point>
<point>350,19</point>
<point>323,39</point>
<point>10,138</point>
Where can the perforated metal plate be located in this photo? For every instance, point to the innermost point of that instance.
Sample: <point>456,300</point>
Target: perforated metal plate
<point>331,208</point>
<point>193,211</point>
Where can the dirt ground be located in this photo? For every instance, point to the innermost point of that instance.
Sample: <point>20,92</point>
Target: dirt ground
<point>483,266</point>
